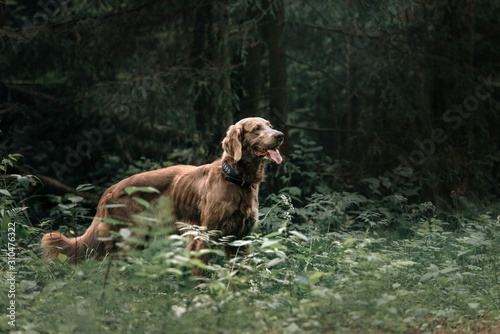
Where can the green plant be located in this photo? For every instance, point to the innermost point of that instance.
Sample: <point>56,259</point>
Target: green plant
<point>14,216</point>
<point>331,210</point>
<point>307,165</point>
<point>307,279</point>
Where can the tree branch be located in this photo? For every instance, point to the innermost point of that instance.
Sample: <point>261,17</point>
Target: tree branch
<point>308,128</point>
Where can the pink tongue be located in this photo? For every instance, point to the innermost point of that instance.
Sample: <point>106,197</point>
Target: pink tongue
<point>275,155</point>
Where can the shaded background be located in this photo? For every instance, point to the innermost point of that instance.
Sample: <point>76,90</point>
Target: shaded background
<point>375,97</point>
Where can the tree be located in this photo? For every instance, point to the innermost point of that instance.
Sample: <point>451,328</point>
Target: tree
<point>274,37</point>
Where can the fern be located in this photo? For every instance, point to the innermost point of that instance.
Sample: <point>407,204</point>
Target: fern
<point>330,209</point>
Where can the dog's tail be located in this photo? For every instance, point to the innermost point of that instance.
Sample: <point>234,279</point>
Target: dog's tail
<point>90,244</point>
<point>76,249</point>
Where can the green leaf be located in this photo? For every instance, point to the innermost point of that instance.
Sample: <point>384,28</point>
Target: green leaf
<point>300,235</point>
<point>270,235</point>
<point>52,286</point>
<point>174,271</point>
<point>315,276</point>
<point>5,192</point>
<point>62,257</point>
<point>294,191</point>
<point>300,257</point>
<point>275,261</point>
<point>349,242</point>
<point>84,187</point>
<point>142,202</point>
<point>448,270</point>
<point>24,181</point>
<point>268,243</point>
<point>21,233</point>
<point>463,252</point>
<point>131,190</point>
<point>27,285</point>
<point>428,276</point>
<point>75,199</point>
<point>473,305</point>
<point>304,278</point>
<point>309,174</point>
<point>113,221</point>
<point>111,206</point>
<point>239,243</point>
<point>374,183</point>
<point>5,222</point>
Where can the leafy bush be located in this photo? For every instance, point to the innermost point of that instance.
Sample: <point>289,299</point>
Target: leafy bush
<point>318,279</point>
<point>14,216</point>
<point>340,263</point>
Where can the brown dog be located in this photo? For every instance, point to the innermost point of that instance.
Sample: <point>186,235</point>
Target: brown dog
<point>221,196</point>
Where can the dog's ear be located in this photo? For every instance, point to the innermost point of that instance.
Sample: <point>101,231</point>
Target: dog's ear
<point>232,143</point>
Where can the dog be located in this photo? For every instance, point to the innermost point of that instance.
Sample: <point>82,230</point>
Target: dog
<point>220,196</point>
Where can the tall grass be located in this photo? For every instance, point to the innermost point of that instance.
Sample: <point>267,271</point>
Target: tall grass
<point>347,274</point>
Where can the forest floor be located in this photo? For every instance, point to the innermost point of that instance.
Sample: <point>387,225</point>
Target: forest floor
<point>435,275</point>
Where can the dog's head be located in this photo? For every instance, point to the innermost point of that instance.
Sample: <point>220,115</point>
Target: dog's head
<point>253,137</point>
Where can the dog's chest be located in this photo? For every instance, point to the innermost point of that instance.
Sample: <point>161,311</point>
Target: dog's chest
<point>248,204</point>
<point>239,218</point>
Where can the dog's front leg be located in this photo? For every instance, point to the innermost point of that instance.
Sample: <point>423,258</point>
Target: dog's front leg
<point>197,245</point>
<point>234,251</point>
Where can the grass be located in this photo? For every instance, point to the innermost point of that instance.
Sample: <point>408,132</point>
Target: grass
<point>428,277</point>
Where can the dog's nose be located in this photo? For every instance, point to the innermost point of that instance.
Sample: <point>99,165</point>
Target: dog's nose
<point>279,136</point>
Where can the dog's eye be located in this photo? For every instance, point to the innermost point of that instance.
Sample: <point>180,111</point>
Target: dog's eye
<point>257,128</point>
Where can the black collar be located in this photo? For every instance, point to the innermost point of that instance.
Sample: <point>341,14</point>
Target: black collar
<point>232,176</point>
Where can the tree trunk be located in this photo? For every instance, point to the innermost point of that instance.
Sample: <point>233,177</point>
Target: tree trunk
<point>251,76</point>
<point>223,103</point>
<point>211,51</point>
<point>456,52</point>
<point>202,19</point>
<point>272,32</point>
<point>461,22</point>
<point>460,19</point>
<point>252,81</point>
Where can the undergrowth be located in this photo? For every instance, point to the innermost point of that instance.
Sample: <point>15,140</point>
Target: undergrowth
<point>340,263</point>
<point>318,279</point>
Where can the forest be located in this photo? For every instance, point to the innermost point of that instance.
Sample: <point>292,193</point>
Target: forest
<point>384,216</point>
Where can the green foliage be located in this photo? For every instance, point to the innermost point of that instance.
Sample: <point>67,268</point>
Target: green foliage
<point>330,209</point>
<point>14,218</point>
<point>304,167</point>
<point>316,279</point>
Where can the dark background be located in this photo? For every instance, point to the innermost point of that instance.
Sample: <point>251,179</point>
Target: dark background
<point>375,97</point>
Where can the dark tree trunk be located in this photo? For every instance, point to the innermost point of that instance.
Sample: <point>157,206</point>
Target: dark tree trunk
<point>461,22</point>
<point>199,55</point>
<point>223,108</point>
<point>252,81</point>
<point>251,76</point>
<point>455,52</point>
<point>272,32</point>
<point>211,51</point>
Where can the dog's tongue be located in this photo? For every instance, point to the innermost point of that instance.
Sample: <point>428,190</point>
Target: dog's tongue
<point>275,155</point>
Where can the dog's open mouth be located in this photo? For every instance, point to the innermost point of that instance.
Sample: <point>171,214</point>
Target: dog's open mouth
<point>270,153</point>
